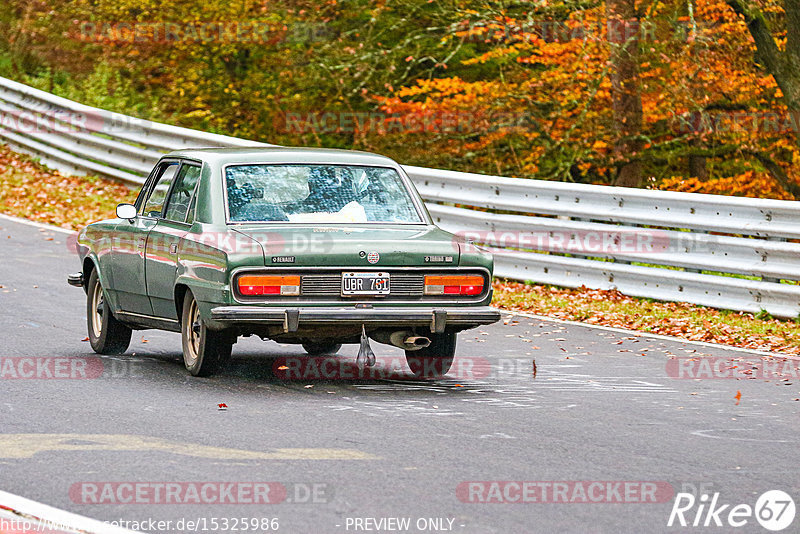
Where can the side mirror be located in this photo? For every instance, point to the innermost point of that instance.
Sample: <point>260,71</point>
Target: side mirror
<point>126,211</point>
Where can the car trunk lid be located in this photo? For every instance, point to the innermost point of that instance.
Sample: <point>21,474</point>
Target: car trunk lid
<point>357,246</point>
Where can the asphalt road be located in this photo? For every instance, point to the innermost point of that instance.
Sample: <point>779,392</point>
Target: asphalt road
<point>531,401</point>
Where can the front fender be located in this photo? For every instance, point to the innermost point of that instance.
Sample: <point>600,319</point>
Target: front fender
<point>94,247</point>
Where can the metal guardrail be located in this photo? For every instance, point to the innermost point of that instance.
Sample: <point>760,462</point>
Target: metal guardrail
<point>80,139</point>
<point>727,252</point>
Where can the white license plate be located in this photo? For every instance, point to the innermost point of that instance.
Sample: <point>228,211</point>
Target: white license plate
<point>365,283</point>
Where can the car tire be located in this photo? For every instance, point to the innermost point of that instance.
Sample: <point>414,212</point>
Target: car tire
<point>321,348</point>
<point>434,360</point>
<point>205,352</point>
<point>106,334</point>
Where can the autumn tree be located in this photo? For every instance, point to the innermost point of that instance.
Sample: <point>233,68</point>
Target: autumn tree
<point>783,65</point>
<point>663,95</point>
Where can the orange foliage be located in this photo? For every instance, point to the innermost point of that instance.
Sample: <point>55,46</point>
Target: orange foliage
<point>748,184</point>
<point>561,88</point>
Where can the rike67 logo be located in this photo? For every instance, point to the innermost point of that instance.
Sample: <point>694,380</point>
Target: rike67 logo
<point>774,510</point>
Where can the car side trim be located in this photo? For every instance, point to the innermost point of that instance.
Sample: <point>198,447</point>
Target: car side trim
<point>148,321</point>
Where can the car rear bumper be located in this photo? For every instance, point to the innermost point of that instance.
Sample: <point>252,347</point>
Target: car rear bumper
<point>293,318</point>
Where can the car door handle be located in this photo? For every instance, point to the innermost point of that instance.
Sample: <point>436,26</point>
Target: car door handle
<point>173,248</point>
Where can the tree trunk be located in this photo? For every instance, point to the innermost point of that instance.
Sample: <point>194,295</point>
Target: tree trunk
<point>783,66</point>
<point>623,36</point>
<point>697,167</point>
<point>697,164</point>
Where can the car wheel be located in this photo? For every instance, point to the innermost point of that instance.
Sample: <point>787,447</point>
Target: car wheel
<point>106,334</point>
<point>434,360</point>
<point>205,351</point>
<point>319,348</point>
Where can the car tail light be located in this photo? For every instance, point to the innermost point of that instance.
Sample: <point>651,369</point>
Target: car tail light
<point>269,285</point>
<point>454,285</point>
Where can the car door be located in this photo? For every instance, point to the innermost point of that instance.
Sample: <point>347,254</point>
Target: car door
<point>161,253</point>
<point>129,247</point>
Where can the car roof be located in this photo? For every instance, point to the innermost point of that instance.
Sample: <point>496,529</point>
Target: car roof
<point>279,154</point>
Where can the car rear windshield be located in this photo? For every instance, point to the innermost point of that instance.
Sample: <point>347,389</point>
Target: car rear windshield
<point>318,194</point>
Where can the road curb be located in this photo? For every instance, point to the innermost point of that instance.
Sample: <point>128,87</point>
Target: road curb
<point>28,222</point>
<point>53,518</point>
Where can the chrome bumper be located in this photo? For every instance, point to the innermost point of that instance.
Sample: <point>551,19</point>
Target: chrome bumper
<point>292,318</point>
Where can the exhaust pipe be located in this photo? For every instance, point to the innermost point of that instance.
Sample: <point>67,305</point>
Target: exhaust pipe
<point>405,339</point>
<point>419,342</point>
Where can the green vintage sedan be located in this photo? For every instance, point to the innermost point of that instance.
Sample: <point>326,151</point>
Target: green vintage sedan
<point>308,246</point>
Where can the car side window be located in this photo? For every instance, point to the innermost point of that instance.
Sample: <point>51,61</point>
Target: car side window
<point>155,202</point>
<point>181,195</point>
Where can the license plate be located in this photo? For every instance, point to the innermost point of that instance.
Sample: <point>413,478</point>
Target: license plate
<point>365,283</point>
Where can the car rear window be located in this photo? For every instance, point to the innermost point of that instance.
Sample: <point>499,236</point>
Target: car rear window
<point>318,194</point>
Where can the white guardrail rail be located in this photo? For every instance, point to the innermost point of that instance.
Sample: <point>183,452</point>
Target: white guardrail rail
<point>726,252</point>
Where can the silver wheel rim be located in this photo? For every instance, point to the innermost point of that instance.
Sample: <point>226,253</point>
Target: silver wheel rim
<point>97,310</point>
<point>192,333</point>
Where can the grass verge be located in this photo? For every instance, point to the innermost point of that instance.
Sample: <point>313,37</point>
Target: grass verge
<point>32,191</point>
<point>679,319</point>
